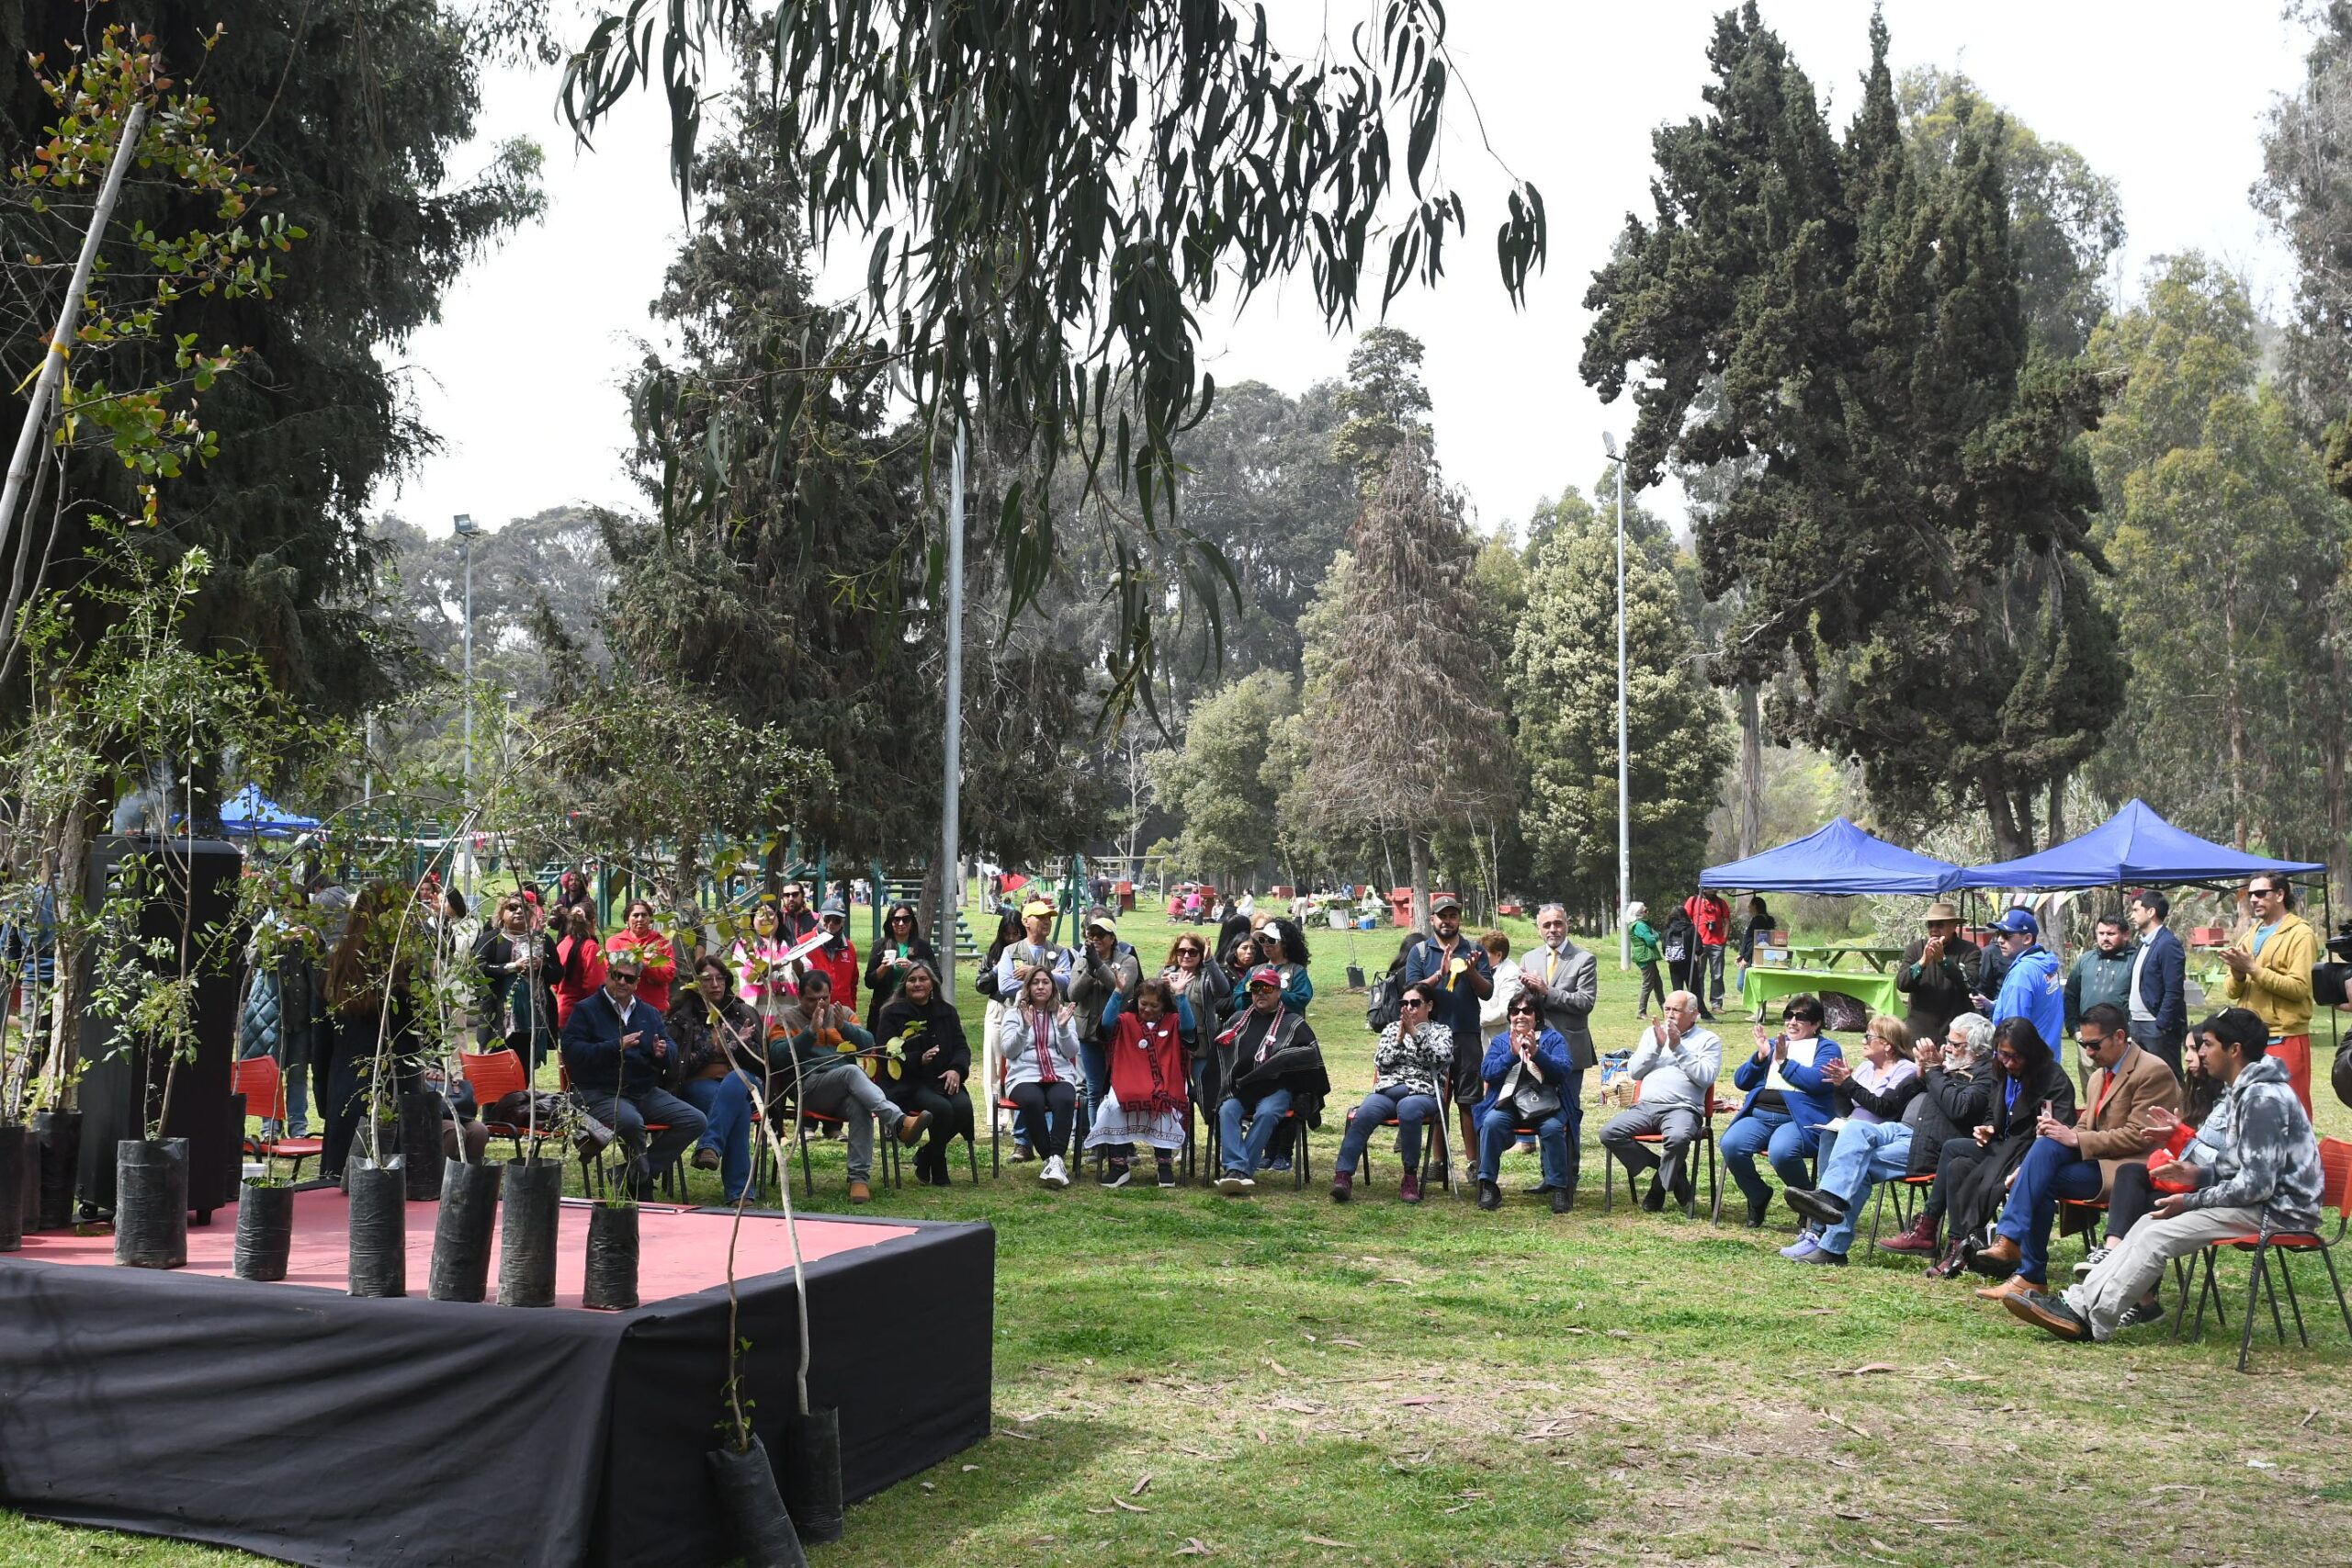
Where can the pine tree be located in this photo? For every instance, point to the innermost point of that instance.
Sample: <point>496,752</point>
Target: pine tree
<point>1562,686</point>
<point>1906,535</point>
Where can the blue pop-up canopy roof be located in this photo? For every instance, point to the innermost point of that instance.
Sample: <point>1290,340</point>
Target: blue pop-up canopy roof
<point>249,812</point>
<point>1836,860</point>
<point>2135,845</point>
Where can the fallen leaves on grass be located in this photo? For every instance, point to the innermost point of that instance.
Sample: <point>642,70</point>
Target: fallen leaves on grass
<point>1130,1507</point>
<point>1420,1399</point>
<point>1326,1540</point>
<point>1193,1547</point>
<point>1358,1344</point>
<point>1864,1371</point>
<point>1025,1437</point>
<point>1142,1485</point>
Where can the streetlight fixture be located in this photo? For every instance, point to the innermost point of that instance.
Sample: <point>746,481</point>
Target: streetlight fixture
<point>467,528</point>
<point>1624,832</point>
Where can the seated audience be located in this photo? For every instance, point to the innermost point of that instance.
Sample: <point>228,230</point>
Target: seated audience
<point>1270,1065</point>
<point>829,1077</point>
<point>1411,1064</point>
<point>1527,1075</point>
<point>2029,1083</point>
<point>935,1060</point>
<point>1870,1097</point>
<point>1956,1085</point>
<point>1676,1064</point>
<point>618,1053</point>
<point>1144,1100</point>
<point>2079,1159</point>
<point>1788,1100</point>
<point>716,1032</point>
<point>1037,1042</point>
<point>2253,1168</point>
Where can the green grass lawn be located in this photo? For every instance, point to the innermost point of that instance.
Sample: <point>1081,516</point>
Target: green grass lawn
<point>1283,1380</point>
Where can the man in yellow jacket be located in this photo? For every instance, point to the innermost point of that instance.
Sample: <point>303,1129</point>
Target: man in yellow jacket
<point>2270,973</point>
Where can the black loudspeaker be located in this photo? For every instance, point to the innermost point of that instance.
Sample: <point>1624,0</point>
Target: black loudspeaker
<point>119,1087</point>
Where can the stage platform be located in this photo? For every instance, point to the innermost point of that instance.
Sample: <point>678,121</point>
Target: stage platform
<point>295,1422</point>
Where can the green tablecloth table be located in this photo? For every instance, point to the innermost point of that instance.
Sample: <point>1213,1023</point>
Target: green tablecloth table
<point>1760,988</point>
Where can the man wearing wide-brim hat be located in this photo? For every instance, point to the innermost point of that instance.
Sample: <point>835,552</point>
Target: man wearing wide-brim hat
<point>1939,972</point>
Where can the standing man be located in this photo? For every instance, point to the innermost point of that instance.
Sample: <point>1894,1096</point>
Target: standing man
<point>1463,978</point>
<point>618,1054</point>
<point>1939,972</point>
<point>1711,916</point>
<point>1676,1064</point>
<point>1564,980</point>
<point>1104,968</point>
<point>2270,975</point>
<point>2102,975</point>
<point>2031,987</point>
<point>1036,951</point>
<point>796,922</point>
<point>2158,1010</point>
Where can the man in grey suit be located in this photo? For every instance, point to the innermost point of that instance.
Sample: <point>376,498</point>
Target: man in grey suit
<point>1564,980</point>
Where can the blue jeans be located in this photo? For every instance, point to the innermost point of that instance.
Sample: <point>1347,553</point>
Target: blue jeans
<point>1773,1134</point>
<point>1496,1134</point>
<point>2050,1171</point>
<point>1410,1111</point>
<point>727,1104</point>
<point>1864,1155</point>
<point>1241,1156</point>
<point>1097,1063</point>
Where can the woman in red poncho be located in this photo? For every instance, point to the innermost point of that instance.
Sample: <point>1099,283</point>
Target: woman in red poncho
<point>1146,1102</point>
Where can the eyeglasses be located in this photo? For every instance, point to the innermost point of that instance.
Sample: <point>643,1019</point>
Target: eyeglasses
<point>902,918</point>
<point>2263,892</point>
<point>2005,1057</point>
<point>623,976</point>
<point>1522,1012</point>
<point>1414,1002</point>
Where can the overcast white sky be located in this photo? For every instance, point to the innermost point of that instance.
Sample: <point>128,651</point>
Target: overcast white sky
<point>521,377</point>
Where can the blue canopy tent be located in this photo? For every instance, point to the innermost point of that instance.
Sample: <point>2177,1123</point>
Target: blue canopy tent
<point>1837,859</point>
<point>250,814</point>
<point>2134,846</point>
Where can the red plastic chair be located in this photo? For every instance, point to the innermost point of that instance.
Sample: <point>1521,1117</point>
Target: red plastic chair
<point>259,1080</point>
<point>495,1074</point>
<point>1706,1137</point>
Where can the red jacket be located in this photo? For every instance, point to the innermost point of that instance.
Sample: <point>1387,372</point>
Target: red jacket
<point>840,965</point>
<point>1712,916</point>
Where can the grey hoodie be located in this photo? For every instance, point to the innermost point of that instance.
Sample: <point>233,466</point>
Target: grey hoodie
<point>2257,1151</point>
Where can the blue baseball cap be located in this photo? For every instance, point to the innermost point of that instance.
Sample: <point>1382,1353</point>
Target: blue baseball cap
<point>2018,920</point>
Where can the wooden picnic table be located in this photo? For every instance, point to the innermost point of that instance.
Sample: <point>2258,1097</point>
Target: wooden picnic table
<point>1829,953</point>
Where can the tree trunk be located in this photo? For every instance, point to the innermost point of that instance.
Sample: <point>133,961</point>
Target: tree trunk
<point>2057,810</point>
<point>2237,726</point>
<point>2009,843</point>
<point>1750,805</point>
<point>1417,850</point>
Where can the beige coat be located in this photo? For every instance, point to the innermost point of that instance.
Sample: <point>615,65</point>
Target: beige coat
<point>2114,1127</point>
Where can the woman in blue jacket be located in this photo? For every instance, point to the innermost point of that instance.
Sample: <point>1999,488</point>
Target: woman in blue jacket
<point>1788,1100</point>
<point>1527,1073</point>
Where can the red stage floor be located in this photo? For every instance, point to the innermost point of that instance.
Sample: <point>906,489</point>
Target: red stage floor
<point>680,1251</point>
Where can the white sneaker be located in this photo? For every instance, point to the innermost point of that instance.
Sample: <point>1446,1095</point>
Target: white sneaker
<point>1233,1184</point>
<point>2091,1259</point>
<point>1054,1176</point>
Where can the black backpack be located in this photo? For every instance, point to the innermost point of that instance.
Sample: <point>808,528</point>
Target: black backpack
<point>1387,993</point>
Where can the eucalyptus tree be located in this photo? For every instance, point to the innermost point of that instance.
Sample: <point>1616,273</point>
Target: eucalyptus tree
<point>1049,197</point>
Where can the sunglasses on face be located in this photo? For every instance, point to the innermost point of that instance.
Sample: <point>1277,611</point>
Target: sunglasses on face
<point>623,979</point>
<point>1414,1002</point>
<point>1522,1012</point>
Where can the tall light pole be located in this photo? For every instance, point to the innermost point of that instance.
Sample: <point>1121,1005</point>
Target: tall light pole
<point>951,886</point>
<point>1624,828</point>
<point>467,529</point>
